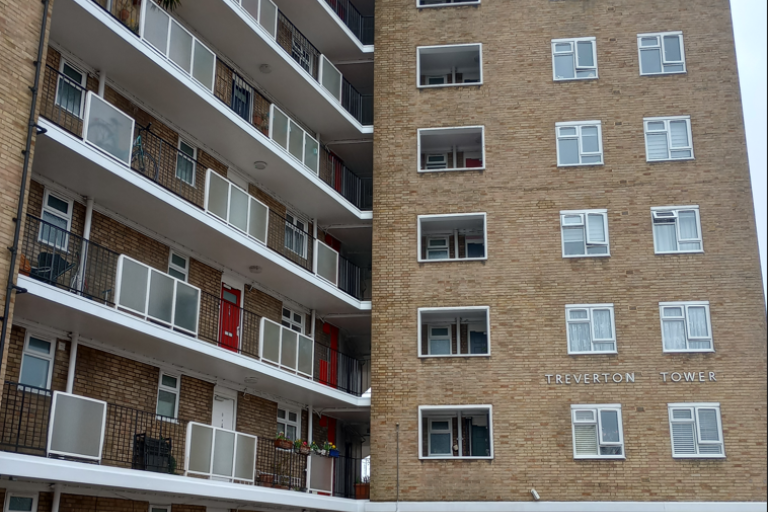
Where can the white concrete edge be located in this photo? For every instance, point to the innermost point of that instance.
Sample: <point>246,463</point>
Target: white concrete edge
<point>134,323</point>
<point>123,172</point>
<point>54,470</point>
<point>134,40</point>
<point>364,48</point>
<point>562,506</point>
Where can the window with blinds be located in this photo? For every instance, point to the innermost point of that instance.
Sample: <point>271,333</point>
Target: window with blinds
<point>584,233</point>
<point>696,431</point>
<point>686,327</point>
<point>591,329</point>
<point>676,229</point>
<point>668,138</point>
<point>597,432</point>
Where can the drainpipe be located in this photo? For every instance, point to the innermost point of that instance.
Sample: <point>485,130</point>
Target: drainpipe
<point>314,319</point>
<point>56,498</point>
<point>84,247</point>
<point>31,125</point>
<point>75,341</point>
<point>314,243</point>
<point>309,432</point>
<point>102,83</point>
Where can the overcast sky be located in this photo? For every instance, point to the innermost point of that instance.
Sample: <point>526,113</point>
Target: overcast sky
<point>749,25</point>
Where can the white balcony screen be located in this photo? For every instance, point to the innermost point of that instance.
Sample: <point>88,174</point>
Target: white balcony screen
<point>220,453</point>
<point>327,264</point>
<point>236,207</point>
<point>203,65</point>
<point>199,448</point>
<point>218,195</point>
<point>77,426</point>
<point>291,137</point>
<point>107,128</point>
<point>245,457</point>
<point>268,17</point>
<point>133,292</point>
<point>160,296</point>
<point>279,128</point>
<point>286,348</point>
<point>258,217</point>
<point>330,78</point>
<point>156,27</point>
<point>296,141</point>
<point>180,47</point>
<point>223,453</point>
<point>321,476</point>
<point>311,153</point>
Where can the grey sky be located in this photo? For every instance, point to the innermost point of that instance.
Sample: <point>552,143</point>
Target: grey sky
<point>749,25</point>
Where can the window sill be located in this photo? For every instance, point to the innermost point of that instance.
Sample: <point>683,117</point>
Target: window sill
<point>700,351</point>
<point>448,85</point>
<point>448,356</point>
<point>453,169</point>
<point>601,457</point>
<point>555,79</point>
<point>684,72</point>
<point>688,159</point>
<point>421,457</point>
<point>596,164</point>
<point>698,456</point>
<point>595,353</point>
<point>577,256</point>
<point>452,260</point>
<point>678,252</point>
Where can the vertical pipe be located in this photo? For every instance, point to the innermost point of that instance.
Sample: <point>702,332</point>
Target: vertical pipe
<point>456,243</point>
<point>102,83</point>
<point>84,247</point>
<point>309,431</point>
<point>314,249</point>
<point>397,466</point>
<point>75,340</point>
<point>313,320</point>
<point>56,498</point>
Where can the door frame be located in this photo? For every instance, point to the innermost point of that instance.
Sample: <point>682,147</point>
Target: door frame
<point>238,284</point>
<point>226,392</point>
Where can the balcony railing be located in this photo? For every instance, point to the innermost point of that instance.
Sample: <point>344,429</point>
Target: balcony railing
<point>356,190</point>
<point>361,26</point>
<point>62,259</point>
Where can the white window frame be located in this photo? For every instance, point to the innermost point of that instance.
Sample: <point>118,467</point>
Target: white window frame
<point>656,210</point>
<point>597,409</point>
<point>172,266</point>
<point>457,311</point>
<point>576,68</point>
<point>56,213</point>
<point>666,120</point>
<point>83,81</point>
<point>419,220</point>
<point>176,391</point>
<point>162,508</point>
<point>447,3</point>
<point>584,214</point>
<point>453,72</point>
<point>579,125</point>
<point>296,230</point>
<point>290,409</point>
<point>590,309</point>
<point>685,306</point>
<point>12,494</point>
<point>451,411</point>
<point>291,321</point>
<point>446,248</point>
<point>192,159</point>
<point>51,358</point>
<point>426,131</point>
<point>430,431</point>
<point>430,338</point>
<point>695,407</point>
<point>660,36</point>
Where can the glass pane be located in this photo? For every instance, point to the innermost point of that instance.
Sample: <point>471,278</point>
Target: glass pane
<point>673,68</point>
<point>178,261</point>
<point>593,159</point>
<point>683,438</point>
<point>656,126</point>
<point>34,371</point>
<point>585,416</point>
<point>586,56</point>
<point>109,129</point>
<point>680,153</point>
<point>679,134</point>
<point>331,78</point>
<point>657,146</point>
<point>160,297</point>
<point>690,246</point>
<point>238,208</point>
<point>279,131</point>
<point>290,432</point>
<point>586,73</point>
<point>166,403</point>
<point>674,334</point>
<point>200,444</point>
<point>650,61</point>
<point>437,242</point>
<point>601,319</point>
<point>569,151</point>
<point>708,425</point>
<point>597,249</point>
<point>672,50</point>
<point>296,141</point>
<point>439,347</point>
<point>251,7</point>
<point>156,28</point>
<point>567,131</point>
<point>585,439</point>
<point>41,346</point>
<point>292,416</point>
<point>180,50</point>
<point>218,195</point>
<point>169,381</point>
<point>439,332</point>
<point>245,463</point>
<point>609,422</point>
<point>289,349</point>
<point>440,425</point>
<point>440,444</point>
<point>564,66</point>
<point>596,228</point>
<point>682,414</point>
<point>20,504</point>
<point>579,314</point>
<point>570,220</point>
<point>281,414</point>
<point>268,17</point>
<point>665,237</point>
<point>305,355</point>
<point>475,250</point>
<point>257,220</point>
<point>437,255</point>
<point>573,241</point>
<point>580,338</point>
<point>689,229</point>
<point>327,263</point>
<point>69,97</point>
<point>563,47</point>
<point>697,322</point>
<point>57,204</point>
<point>223,452</point>
<point>187,299</point>
<point>203,65</point>
<point>589,139</point>
<point>185,169</point>
<point>649,41</point>
<point>675,312</point>
<point>310,153</point>
<point>133,286</point>
<point>72,73</point>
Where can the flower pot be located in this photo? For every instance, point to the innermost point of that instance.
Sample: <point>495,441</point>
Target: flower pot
<point>124,14</point>
<point>333,453</point>
<point>266,479</point>
<point>283,444</point>
<point>324,453</point>
<point>304,450</point>
<point>362,491</point>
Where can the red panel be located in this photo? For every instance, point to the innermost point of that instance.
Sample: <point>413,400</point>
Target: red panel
<point>332,430</point>
<point>473,162</point>
<point>229,319</point>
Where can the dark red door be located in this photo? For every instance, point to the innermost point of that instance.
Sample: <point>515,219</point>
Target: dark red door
<point>333,243</point>
<point>337,168</point>
<point>229,330</point>
<point>329,370</point>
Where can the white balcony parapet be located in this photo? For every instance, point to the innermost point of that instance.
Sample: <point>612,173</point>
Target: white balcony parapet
<point>263,11</point>
<point>330,78</point>
<point>156,296</point>
<point>220,454</point>
<point>326,263</point>
<point>233,205</point>
<point>295,140</point>
<point>76,427</point>
<point>107,128</point>
<point>177,44</point>
<point>286,348</point>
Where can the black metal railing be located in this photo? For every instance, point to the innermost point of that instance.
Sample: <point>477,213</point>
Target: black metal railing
<point>355,103</point>
<point>62,101</point>
<point>241,97</point>
<point>24,419</point>
<point>356,190</point>
<point>127,12</point>
<point>297,46</point>
<point>351,279</point>
<point>280,468</point>
<point>361,26</point>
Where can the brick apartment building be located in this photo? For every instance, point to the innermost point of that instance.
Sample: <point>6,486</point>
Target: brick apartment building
<point>534,286</point>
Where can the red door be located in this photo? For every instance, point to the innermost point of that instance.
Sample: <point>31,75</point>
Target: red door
<point>329,370</point>
<point>229,330</point>
<point>337,167</point>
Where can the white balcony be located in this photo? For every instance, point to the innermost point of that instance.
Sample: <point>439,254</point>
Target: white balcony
<point>220,454</point>
<point>236,207</point>
<point>286,348</point>
<point>76,427</point>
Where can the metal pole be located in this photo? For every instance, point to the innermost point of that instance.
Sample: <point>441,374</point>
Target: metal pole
<point>397,451</point>
<point>75,339</point>
<point>56,498</point>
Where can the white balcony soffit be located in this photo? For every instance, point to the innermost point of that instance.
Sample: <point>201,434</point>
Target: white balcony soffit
<point>57,308</point>
<point>107,45</point>
<point>67,160</point>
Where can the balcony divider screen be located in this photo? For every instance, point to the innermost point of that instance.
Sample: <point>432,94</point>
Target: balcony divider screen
<point>326,263</point>
<point>76,426</point>
<point>291,137</point>
<point>107,128</point>
<point>157,296</point>
<point>177,44</point>
<point>330,78</point>
<point>321,476</point>
<point>264,12</point>
<point>286,348</point>
<point>236,207</point>
<point>219,453</point>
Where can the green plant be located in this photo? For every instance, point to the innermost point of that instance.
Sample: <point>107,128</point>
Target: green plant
<point>281,437</point>
<point>172,465</point>
<point>169,5</point>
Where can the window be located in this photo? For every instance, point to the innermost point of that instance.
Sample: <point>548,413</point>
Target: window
<point>242,97</point>
<point>295,235</point>
<point>293,320</point>
<point>676,229</point>
<point>452,237</point>
<point>449,65</point>
<point>696,431</point>
<point>168,396</point>
<point>685,326</point>
<point>584,233</point>
<point>20,502</point>
<point>185,163</point>
<point>57,217</point>
<point>155,508</point>
<point>442,3</point>
<point>451,432</point>
<point>178,266</point>
<point>661,54</point>
<point>579,143</point>
<point>591,329</point>
<point>451,149</point>
<point>668,138</point>
<point>70,89</point>
<point>574,59</point>
<point>289,423</point>
<point>301,54</point>
<point>37,361</point>
<point>597,432</point>
<point>454,331</point>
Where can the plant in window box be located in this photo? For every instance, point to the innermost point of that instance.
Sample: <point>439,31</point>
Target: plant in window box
<point>301,447</point>
<point>283,442</point>
<point>330,449</point>
<point>314,448</point>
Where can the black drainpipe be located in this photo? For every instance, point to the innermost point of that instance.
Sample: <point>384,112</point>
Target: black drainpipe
<point>22,190</point>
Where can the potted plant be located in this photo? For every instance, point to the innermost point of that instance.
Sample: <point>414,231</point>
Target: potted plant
<point>266,479</point>
<point>363,488</point>
<point>330,449</point>
<point>301,447</point>
<point>283,442</point>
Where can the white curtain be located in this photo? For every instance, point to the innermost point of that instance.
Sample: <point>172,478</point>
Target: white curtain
<point>601,319</point>
<point>580,338</point>
<point>674,334</point>
<point>665,237</point>
<point>596,227</point>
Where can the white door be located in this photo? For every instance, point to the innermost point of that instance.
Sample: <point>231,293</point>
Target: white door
<point>223,411</point>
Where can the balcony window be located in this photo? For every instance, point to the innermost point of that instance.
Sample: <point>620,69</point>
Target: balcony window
<point>57,213</point>
<point>597,432</point>
<point>455,432</point>
<point>295,235</point>
<point>450,65</point>
<point>37,361</point>
<point>454,331</point>
<point>185,162</point>
<point>264,12</point>
<point>293,320</point>
<point>108,128</point>
<point>451,149</point>
<point>676,229</point>
<point>178,266</point>
<point>69,88</point>
<point>452,237</point>
<point>168,396</point>
<point>289,422</point>
<point>20,502</point>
